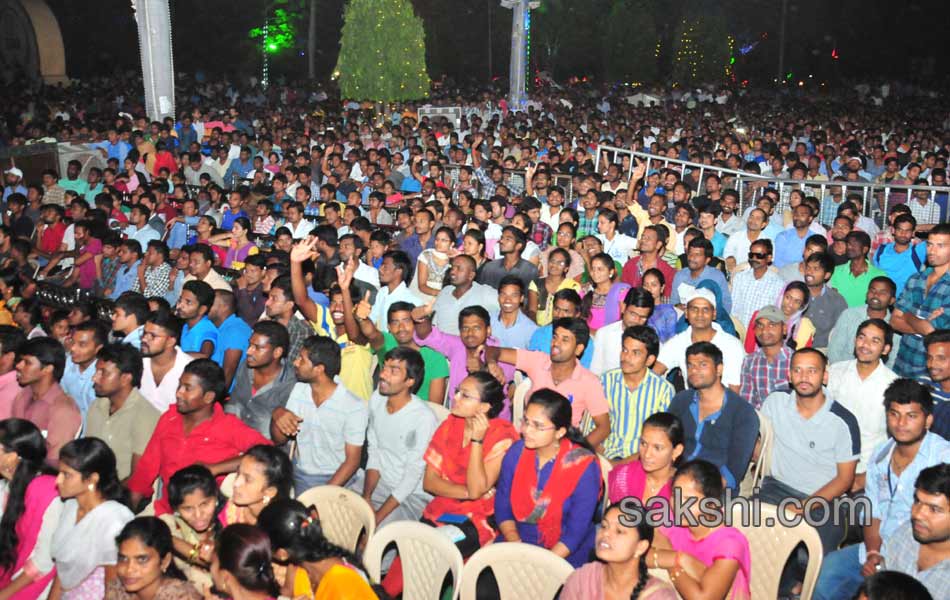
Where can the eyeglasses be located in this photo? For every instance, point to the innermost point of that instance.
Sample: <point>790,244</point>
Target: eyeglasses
<point>758,255</point>
<point>526,424</point>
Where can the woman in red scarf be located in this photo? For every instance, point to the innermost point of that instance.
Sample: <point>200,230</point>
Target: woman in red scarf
<point>550,483</point>
<point>464,457</point>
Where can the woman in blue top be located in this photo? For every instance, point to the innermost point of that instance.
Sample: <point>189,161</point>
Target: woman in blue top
<point>550,483</point>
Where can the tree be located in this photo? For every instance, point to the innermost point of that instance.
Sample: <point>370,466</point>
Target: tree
<point>382,52</point>
<point>630,42</point>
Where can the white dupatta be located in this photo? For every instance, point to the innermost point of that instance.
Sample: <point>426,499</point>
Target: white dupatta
<point>79,548</point>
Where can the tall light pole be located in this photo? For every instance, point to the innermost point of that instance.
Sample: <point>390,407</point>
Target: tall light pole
<point>520,33</point>
<point>153,19</point>
<point>781,43</point>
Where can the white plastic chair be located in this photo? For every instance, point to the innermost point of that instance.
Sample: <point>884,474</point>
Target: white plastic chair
<point>344,514</point>
<point>523,571</point>
<point>426,556</point>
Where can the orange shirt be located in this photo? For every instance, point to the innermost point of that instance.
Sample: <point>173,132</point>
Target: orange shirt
<point>582,388</point>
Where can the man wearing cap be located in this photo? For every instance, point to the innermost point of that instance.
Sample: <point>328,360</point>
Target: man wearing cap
<point>12,184</point>
<point>766,369</point>
<point>700,314</point>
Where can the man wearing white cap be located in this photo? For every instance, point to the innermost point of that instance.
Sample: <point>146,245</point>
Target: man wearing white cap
<point>701,314</point>
<point>12,183</point>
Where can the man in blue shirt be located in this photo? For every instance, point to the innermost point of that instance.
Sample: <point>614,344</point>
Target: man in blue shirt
<point>698,254</point>
<point>790,244</point>
<point>567,304</point>
<point>130,257</point>
<point>88,339</point>
<point>510,326</point>
<point>115,147</point>
<point>235,210</point>
<point>199,336</point>
<point>901,258</point>
<point>238,169</point>
<point>233,334</point>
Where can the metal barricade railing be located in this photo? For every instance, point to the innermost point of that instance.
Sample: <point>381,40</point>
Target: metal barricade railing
<point>751,186</point>
<point>515,178</point>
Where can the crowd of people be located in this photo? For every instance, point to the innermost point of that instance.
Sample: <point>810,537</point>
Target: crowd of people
<point>425,313</point>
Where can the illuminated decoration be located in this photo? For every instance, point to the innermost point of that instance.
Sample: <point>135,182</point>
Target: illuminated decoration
<point>835,55</point>
<point>153,20</point>
<point>382,52</point>
<point>278,33</point>
<point>520,47</point>
<point>730,72</point>
<point>702,49</point>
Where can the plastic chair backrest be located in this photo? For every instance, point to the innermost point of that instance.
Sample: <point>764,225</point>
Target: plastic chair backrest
<point>523,571</point>
<point>425,553</point>
<point>344,514</point>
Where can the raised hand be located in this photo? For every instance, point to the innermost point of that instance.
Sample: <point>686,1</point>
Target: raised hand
<point>364,308</point>
<point>303,250</point>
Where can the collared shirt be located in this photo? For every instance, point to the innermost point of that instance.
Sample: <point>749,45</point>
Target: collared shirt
<point>143,236</point>
<point>607,343</point>
<point>918,301</point>
<point>125,278</point>
<point>445,311</point>
<point>750,293</point>
<point>899,266</point>
<point>854,289</point>
<point>892,495</point>
<point>725,438</point>
<point>233,334</point>
<point>673,353</point>
<point>301,229</point>
<point>618,248</point>
<point>708,272</point>
<point>55,414</point>
<point>629,408</point>
<point>516,336</point>
<point>586,225</point>
<point>632,273</point>
<point>541,342</point>
<point>901,552</point>
<point>192,338</point>
<point>78,384</point>
<point>156,280</point>
<point>789,247</point>
<point>126,431</point>
<point>254,406</point>
<point>761,377</point>
<point>413,247</point>
<point>865,399</point>
<point>9,388</point>
<point>134,338</point>
<point>494,271</point>
<point>386,298</point>
<point>731,226</point>
<point>806,452</point>
<point>582,388</point>
<point>824,311</point>
<point>327,429</point>
<point>250,303</point>
<point>221,437</point>
<point>214,279</point>
<point>162,394</point>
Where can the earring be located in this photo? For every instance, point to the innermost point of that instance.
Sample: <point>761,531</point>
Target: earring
<point>91,487</point>
<point>265,500</point>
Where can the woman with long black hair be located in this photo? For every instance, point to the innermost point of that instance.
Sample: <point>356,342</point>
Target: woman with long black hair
<point>31,508</point>
<point>241,566</point>
<point>196,501</point>
<point>94,513</point>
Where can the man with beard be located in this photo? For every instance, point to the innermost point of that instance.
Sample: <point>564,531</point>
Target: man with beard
<point>651,250</point>
<point>738,245</point>
<point>162,360</point>
<point>766,369</point>
<point>878,302</point>
<point>633,391</point>
<point>937,378</point>
<point>199,336</point>
<point>826,304</point>
<point>790,244</point>
<point>859,385</point>
<point>852,279</point>
<point>510,246</point>
<point>901,258</point>
<point>893,467</point>
<point>921,548</point>
<point>249,294</point>
<point>196,431</point>
<point>325,419</point>
<point>838,247</point>
<point>817,445</point>
<point>121,416</point>
<point>607,342</point>
<point>264,378</point>
<point>400,428</point>
<point>757,286</point>
<point>462,292</point>
<point>729,222</point>
<point>12,183</point>
<point>699,255</point>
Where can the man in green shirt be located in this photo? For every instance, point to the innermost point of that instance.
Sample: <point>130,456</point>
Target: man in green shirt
<point>853,278</point>
<point>360,329</point>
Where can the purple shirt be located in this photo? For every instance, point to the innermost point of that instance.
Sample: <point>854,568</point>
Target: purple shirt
<point>454,350</point>
<point>87,270</point>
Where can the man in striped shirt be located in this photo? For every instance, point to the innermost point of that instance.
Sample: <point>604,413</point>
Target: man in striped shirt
<point>634,391</point>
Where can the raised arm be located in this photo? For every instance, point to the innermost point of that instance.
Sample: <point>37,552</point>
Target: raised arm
<point>298,254</point>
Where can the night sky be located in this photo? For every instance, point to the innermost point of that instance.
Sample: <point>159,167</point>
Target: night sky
<point>873,40</point>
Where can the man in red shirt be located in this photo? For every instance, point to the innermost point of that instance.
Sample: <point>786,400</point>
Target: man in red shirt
<point>51,230</point>
<point>196,431</point>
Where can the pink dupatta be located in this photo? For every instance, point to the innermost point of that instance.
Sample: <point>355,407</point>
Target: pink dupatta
<point>39,494</point>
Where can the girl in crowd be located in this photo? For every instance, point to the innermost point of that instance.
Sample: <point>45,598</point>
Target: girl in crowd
<point>241,565</point>
<point>531,252</point>
<point>265,473</point>
<point>602,275</point>
<point>9,289</point>
<point>318,569</point>
<point>650,475</point>
<point>621,568</point>
<point>31,509</point>
<point>564,239</point>
<point>799,330</point>
<point>196,500</point>
<point>93,515</point>
<point>703,562</point>
<point>433,264</point>
<point>664,317</point>
<point>205,230</point>
<point>541,291</point>
<point>473,244</point>
<point>549,486</point>
<point>239,247</point>
<point>464,457</point>
<point>145,570</point>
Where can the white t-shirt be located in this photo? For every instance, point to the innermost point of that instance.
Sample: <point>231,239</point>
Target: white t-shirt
<point>673,353</point>
<point>325,431</point>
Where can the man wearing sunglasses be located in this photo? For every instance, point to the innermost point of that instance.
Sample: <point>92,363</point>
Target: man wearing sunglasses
<point>757,286</point>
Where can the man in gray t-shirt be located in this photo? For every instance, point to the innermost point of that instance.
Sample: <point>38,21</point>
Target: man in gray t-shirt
<point>817,442</point>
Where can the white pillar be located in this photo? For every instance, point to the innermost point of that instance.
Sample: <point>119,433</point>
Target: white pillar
<point>155,47</point>
<point>520,22</point>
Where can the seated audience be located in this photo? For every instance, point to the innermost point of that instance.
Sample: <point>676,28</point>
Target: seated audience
<point>144,567</point>
<point>650,474</point>
<point>264,474</point>
<point>196,502</point>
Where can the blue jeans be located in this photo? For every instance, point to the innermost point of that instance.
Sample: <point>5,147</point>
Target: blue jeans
<point>840,575</point>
